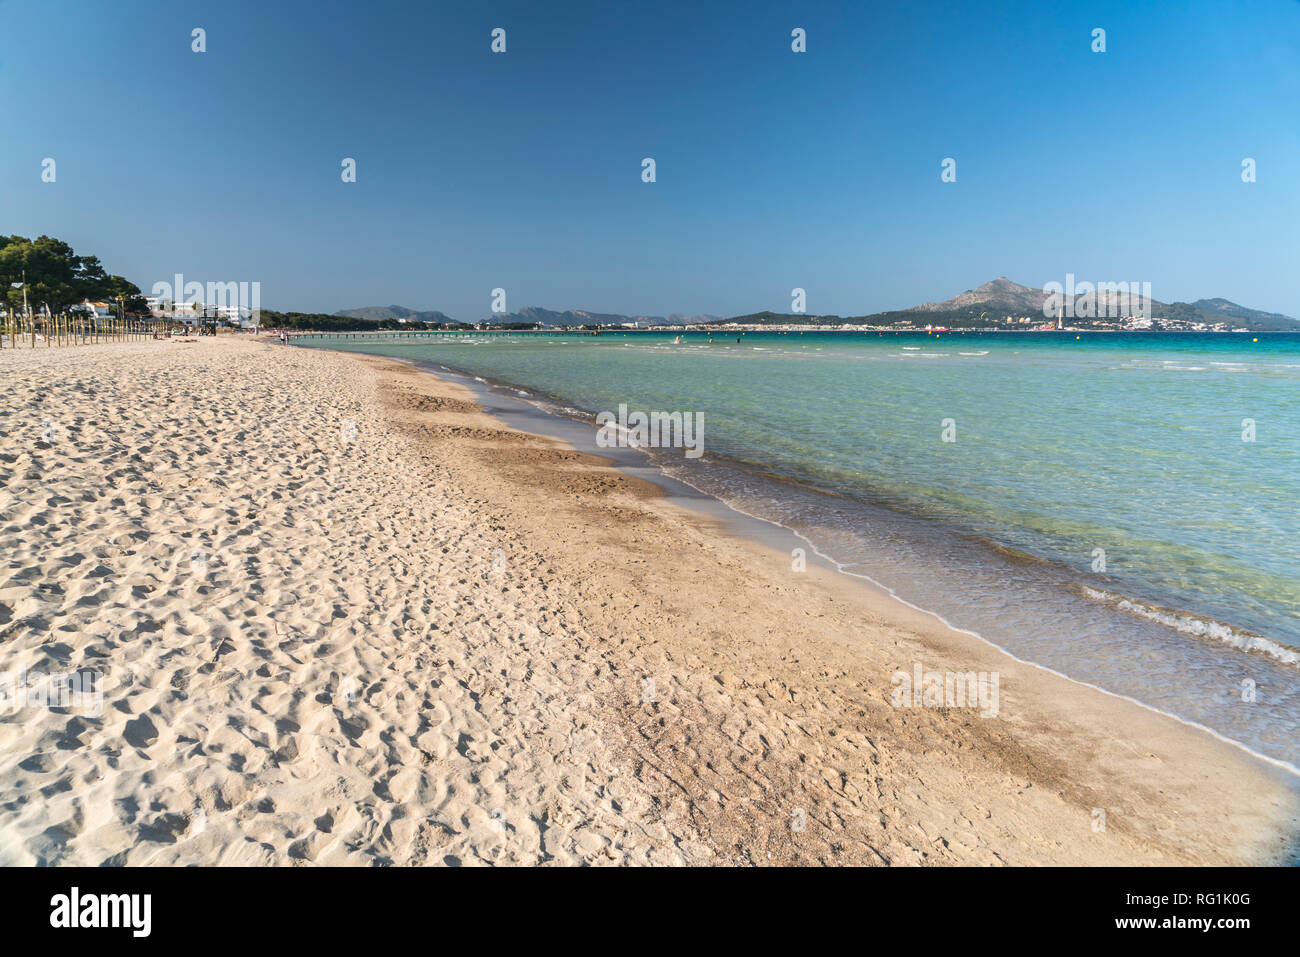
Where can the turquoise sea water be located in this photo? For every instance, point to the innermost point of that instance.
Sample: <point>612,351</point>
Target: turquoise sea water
<point>1065,448</point>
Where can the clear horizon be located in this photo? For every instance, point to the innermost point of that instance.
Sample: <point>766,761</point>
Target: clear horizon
<point>522,170</point>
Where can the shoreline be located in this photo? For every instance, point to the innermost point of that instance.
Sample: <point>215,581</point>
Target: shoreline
<point>522,688</point>
<point>1288,772</point>
<point>1143,606</point>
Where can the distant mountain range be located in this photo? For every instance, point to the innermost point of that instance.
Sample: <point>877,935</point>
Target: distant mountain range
<point>581,317</point>
<point>1001,292</point>
<point>1011,297</point>
<point>991,304</point>
<point>529,314</point>
<point>984,305</point>
<point>1222,308</point>
<point>376,313</point>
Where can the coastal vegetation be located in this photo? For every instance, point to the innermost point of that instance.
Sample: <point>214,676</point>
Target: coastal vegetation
<point>323,322</point>
<point>56,277</point>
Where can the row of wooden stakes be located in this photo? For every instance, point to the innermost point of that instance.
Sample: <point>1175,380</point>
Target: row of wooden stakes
<point>77,329</point>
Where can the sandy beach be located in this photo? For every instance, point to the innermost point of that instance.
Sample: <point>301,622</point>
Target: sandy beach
<point>342,616</point>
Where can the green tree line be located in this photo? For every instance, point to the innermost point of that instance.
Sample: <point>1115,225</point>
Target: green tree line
<point>57,277</point>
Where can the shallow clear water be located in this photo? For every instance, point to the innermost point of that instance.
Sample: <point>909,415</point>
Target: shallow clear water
<point>1132,445</point>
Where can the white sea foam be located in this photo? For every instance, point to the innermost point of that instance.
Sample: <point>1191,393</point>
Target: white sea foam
<point>1191,625</point>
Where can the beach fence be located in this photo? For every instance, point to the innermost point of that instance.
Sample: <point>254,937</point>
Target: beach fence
<point>77,329</point>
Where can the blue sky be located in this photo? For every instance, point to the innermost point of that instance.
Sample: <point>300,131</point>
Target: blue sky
<point>522,170</point>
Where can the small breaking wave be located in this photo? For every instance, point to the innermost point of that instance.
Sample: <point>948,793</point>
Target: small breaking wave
<point>1199,627</point>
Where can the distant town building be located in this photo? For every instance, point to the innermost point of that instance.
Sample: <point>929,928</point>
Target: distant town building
<point>99,310</point>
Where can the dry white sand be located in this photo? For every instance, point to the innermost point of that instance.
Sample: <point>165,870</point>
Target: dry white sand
<point>343,617</point>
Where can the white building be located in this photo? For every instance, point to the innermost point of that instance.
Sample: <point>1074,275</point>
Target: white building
<point>100,310</point>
